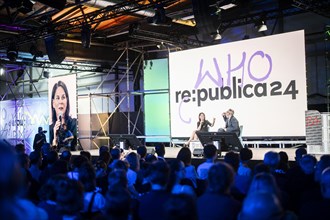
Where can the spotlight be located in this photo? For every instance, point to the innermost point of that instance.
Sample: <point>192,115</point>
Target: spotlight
<point>2,71</point>
<point>226,4</point>
<point>86,36</point>
<point>261,26</point>
<point>161,46</point>
<point>217,36</point>
<point>12,52</point>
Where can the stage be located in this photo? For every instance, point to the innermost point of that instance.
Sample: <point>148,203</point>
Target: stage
<point>258,153</point>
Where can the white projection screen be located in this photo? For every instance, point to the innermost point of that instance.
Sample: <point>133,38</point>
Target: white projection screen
<point>262,79</point>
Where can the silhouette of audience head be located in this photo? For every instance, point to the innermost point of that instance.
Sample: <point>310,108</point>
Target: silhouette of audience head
<point>220,178</point>
<point>66,155</point>
<point>323,163</point>
<point>24,161</point>
<point>78,161</point>
<point>52,157</point>
<point>260,206</point>
<point>177,171</point>
<point>210,151</point>
<point>300,152</point>
<point>133,160</point>
<point>119,165</point>
<point>87,176</point>
<point>272,160</point>
<point>115,153</point>
<point>86,154</point>
<point>117,179</point>
<point>307,164</point>
<point>180,207</point>
<point>264,182</point>
<point>325,183</point>
<point>103,148</point>
<point>35,158</point>
<point>158,174</point>
<point>261,168</point>
<point>11,177</point>
<point>20,148</point>
<point>105,156</point>
<point>245,154</point>
<point>70,197</point>
<point>118,204</point>
<point>151,158</point>
<point>100,168</point>
<point>232,159</point>
<point>185,156</point>
<point>284,161</point>
<point>45,149</point>
<point>160,150</point>
<point>142,151</point>
<point>48,190</point>
<point>60,167</point>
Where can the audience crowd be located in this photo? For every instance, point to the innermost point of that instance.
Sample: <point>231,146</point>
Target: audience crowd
<point>114,185</point>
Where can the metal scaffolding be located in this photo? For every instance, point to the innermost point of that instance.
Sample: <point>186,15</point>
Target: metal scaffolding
<point>117,97</point>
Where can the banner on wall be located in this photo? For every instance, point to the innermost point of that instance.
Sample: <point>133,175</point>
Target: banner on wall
<point>262,79</point>
<point>20,120</point>
<point>62,95</point>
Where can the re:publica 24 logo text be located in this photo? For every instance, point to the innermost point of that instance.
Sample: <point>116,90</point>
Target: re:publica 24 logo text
<point>235,88</point>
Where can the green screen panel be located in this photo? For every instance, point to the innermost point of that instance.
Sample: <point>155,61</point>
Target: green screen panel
<point>157,117</point>
<point>156,74</point>
<point>156,101</point>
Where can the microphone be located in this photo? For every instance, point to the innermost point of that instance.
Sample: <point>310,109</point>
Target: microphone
<point>60,116</point>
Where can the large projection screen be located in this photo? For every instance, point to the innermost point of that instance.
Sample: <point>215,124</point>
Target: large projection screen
<point>64,103</point>
<point>262,79</point>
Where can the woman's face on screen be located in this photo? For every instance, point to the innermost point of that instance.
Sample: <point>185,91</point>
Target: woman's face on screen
<point>60,101</point>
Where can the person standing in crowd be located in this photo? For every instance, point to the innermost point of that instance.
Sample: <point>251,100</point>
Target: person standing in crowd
<point>217,202</point>
<point>202,125</point>
<point>232,124</point>
<point>39,139</point>
<point>210,154</point>
<point>60,104</point>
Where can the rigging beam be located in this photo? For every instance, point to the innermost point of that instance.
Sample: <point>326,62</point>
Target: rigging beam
<point>110,12</point>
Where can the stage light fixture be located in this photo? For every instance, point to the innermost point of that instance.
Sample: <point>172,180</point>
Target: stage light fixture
<point>46,74</point>
<point>226,4</point>
<point>161,46</point>
<point>217,36</point>
<point>12,52</point>
<point>2,71</point>
<point>86,36</point>
<point>25,6</point>
<point>35,52</point>
<point>261,26</point>
<point>160,18</point>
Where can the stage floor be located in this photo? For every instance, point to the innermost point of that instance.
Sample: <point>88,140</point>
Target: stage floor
<point>258,153</point>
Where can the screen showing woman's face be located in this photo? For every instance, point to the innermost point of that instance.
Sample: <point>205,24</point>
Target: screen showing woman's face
<point>60,101</point>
